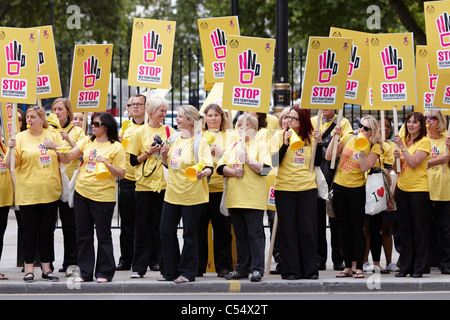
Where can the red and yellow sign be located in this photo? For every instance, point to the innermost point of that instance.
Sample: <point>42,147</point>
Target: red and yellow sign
<point>248,74</point>
<point>19,64</point>
<point>326,71</point>
<point>90,77</point>
<point>151,53</point>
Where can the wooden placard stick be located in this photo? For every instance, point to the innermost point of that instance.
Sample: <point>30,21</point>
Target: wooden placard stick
<point>333,157</point>
<point>383,133</point>
<point>313,154</point>
<point>395,116</point>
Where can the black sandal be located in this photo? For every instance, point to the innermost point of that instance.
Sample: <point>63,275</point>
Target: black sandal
<point>29,279</point>
<point>50,276</point>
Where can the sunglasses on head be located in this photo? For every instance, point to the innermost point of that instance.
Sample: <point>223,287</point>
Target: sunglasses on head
<point>365,128</point>
<point>97,124</point>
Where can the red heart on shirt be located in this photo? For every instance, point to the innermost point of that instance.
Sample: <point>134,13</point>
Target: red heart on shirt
<point>380,192</point>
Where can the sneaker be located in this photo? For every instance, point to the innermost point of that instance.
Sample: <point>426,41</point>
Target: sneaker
<point>392,267</point>
<point>256,276</point>
<point>367,266</point>
<point>136,275</point>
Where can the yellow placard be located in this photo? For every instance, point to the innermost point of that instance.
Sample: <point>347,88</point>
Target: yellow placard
<point>7,121</point>
<point>151,53</point>
<point>442,94</point>
<point>426,81</point>
<point>437,24</point>
<point>215,96</point>
<point>48,82</point>
<point>392,72</point>
<point>271,192</point>
<point>326,73</point>
<point>89,84</point>
<point>213,38</point>
<point>248,74</point>
<point>359,67</point>
<point>19,64</point>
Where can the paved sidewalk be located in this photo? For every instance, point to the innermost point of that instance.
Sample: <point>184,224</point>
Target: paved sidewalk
<point>210,283</point>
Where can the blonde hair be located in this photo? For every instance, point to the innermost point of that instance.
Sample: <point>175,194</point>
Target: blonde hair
<point>41,113</point>
<point>283,115</point>
<point>442,126</point>
<point>375,126</point>
<point>250,119</point>
<point>192,114</point>
<point>67,105</point>
<point>152,104</point>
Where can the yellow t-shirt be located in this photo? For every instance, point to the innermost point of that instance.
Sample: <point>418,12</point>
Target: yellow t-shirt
<point>128,134</point>
<point>38,179</point>
<point>346,127</point>
<point>438,181</point>
<point>6,186</point>
<point>75,134</point>
<point>216,180</point>
<point>87,184</point>
<point>179,190</point>
<point>387,157</point>
<point>293,172</point>
<point>272,122</point>
<point>414,179</point>
<point>349,173</point>
<point>250,192</point>
<point>151,169</point>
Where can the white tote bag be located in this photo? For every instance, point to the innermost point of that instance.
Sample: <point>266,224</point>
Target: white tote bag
<point>375,194</point>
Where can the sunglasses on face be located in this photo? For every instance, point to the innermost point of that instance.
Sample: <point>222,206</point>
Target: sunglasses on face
<point>96,124</point>
<point>430,118</point>
<point>364,127</point>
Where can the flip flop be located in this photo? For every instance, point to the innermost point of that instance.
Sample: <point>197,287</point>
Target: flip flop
<point>343,275</point>
<point>181,279</point>
<point>359,275</point>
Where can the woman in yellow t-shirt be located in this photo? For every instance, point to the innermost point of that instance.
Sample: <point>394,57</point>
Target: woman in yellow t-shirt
<point>216,125</point>
<point>439,181</point>
<point>246,198</point>
<point>349,194</point>
<point>6,196</point>
<point>94,198</point>
<point>184,199</point>
<point>413,197</point>
<point>38,188</point>
<point>296,197</point>
<point>145,157</point>
<point>71,134</point>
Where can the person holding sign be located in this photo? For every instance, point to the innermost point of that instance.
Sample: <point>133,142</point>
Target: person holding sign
<point>246,184</point>
<point>6,196</point>
<point>184,198</point>
<point>95,195</point>
<point>144,152</point>
<point>439,181</point>
<point>71,134</point>
<point>295,197</point>
<point>216,127</point>
<point>349,196</point>
<point>413,197</point>
<point>38,188</point>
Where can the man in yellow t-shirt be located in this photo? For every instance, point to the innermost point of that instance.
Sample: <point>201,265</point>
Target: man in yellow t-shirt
<point>127,185</point>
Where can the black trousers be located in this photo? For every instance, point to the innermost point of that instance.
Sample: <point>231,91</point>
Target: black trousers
<point>147,247</point>
<point>69,229</point>
<point>349,206</point>
<point>176,263</point>
<point>414,214</point>
<point>3,223</point>
<point>298,232</point>
<point>221,235</point>
<point>127,211</point>
<point>441,213</point>
<point>335,241</point>
<point>90,213</point>
<point>38,223</point>
<point>250,239</point>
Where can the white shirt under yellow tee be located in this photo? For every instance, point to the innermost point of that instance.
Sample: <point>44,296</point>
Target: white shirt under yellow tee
<point>151,169</point>
<point>438,181</point>
<point>179,190</point>
<point>87,184</point>
<point>127,134</point>
<point>250,192</point>
<point>293,172</point>
<point>6,186</point>
<point>349,173</point>
<point>38,179</point>
<point>414,179</point>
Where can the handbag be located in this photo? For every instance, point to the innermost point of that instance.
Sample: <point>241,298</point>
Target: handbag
<point>223,200</point>
<point>64,183</point>
<point>71,189</point>
<point>322,186</point>
<point>376,192</point>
